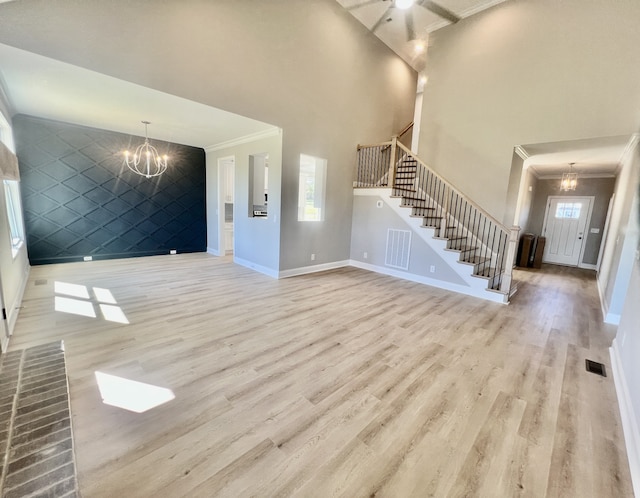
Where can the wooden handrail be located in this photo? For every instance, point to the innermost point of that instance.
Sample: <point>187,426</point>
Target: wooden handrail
<point>461,194</point>
<point>405,129</point>
<point>381,144</point>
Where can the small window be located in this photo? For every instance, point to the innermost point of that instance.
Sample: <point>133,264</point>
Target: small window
<point>14,211</point>
<point>311,188</point>
<point>568,210</point>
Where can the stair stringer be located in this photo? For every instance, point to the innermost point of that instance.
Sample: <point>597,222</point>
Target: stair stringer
<point>477,287</point>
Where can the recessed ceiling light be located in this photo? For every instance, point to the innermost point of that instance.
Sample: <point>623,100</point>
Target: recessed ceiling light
<point>420,46</point>
<point>404,4</point>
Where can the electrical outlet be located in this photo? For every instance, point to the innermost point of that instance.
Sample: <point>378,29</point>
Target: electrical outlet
<point>432,268</point>
<point>313,257</point>
<point>173,251</point>
<point>366,255</point>
<point>88,258</point>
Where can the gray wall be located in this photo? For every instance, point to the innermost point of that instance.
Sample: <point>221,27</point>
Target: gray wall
<point>308,67</point>
<point>369,234</point>
<point>600,188</point>
<point>526,72</point>
<point>257,240</point>
<point>526,200</point>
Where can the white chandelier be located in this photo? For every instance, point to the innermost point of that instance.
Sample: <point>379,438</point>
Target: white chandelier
<point>569,180</point>
<point>146,161</point>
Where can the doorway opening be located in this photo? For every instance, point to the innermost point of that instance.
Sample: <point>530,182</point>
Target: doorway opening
<point>226,197</point>
<point>565,224</point>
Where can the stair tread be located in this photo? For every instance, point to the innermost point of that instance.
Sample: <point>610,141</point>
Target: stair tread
<point>451,238</point>
<point>462,249</point>
<point>476,260</point>
<point>488,272</point>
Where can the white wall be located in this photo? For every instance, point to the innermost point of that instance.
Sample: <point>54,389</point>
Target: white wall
<point>622,239</point>
<point>14,269</point>
<point>522,72</point>
<point>626,351</point>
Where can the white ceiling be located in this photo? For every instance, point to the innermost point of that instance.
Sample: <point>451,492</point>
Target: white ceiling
<point>403,30</point>
<point>47,88</point>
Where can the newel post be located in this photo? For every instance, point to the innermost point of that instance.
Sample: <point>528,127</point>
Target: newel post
<point>512,247</point>
<point>392,166</point>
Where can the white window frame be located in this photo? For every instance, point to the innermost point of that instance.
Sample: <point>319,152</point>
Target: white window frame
<point>14,215</point>
<point>6,133</point>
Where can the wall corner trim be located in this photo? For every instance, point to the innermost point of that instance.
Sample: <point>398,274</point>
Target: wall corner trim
<point>627,415</point>
<point>604,307</point>
<point>211,250</point>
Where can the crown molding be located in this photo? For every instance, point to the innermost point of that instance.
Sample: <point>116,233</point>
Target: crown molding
<point>524,155</point>
<point>271,132</point>
<point>581,176</point>
<point>631,145</point>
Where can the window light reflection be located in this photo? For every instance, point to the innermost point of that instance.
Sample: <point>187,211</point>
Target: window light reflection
<point>104,295</point>
<point>74,290</point>
<point>131,395</point>
<point>74,306</point>
<point>113,313</point>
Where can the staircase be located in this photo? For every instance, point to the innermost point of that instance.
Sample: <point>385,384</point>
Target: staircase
<point>480,246</point>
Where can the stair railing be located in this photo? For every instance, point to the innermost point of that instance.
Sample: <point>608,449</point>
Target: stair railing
<point>492,245</point>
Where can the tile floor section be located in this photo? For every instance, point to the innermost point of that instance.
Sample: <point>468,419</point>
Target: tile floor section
<point>36,444</point>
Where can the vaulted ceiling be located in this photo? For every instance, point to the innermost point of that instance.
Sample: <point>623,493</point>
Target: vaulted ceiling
<point>406,30</point>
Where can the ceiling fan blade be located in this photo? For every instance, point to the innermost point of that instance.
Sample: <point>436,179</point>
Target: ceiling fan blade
<point>408,21</point>
<point>382,18</point>
<point>363,4</point>
<point>439,10</point>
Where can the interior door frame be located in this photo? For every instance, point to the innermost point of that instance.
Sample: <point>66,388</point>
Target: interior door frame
<point>221,191</point>
<point>587,225</point>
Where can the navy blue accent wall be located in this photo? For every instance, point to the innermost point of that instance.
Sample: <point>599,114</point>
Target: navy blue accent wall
<point>79,198</point>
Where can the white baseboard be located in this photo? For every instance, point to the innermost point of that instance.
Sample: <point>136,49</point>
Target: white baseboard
<point>259,268</point>
<point>588,266</point>
<point>495,297</point>
<point>629,420</point>
<point>313,269</point>
<point>211,250</point>
<point>12,317</point>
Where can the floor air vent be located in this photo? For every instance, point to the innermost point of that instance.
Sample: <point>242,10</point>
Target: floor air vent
<point>596,368</point>
<point>40,282</point>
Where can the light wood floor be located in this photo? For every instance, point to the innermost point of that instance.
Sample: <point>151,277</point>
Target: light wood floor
<point>343,383</point>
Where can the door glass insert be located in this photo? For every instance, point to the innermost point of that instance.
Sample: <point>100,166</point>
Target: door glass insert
<point>568,210</point>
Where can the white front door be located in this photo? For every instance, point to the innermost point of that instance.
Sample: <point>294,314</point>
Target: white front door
<point>564,227</point>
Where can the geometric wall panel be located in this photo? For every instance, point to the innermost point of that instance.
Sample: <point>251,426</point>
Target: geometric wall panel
<point>80,200</point>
